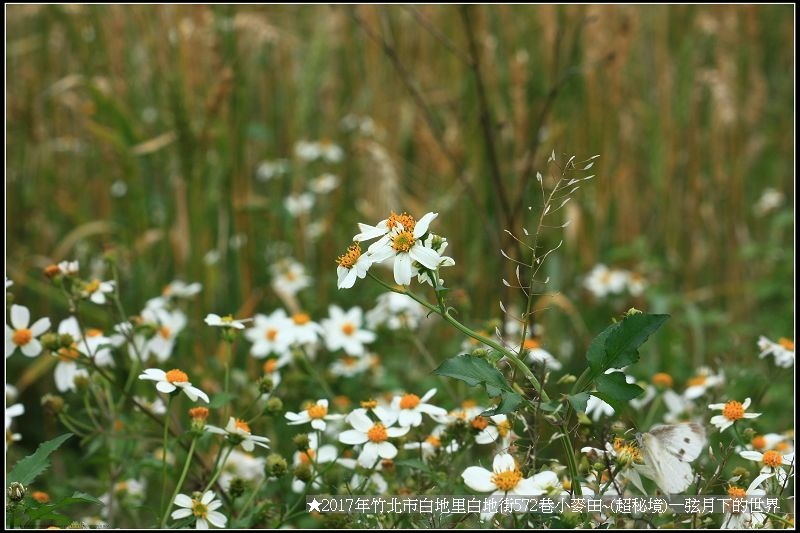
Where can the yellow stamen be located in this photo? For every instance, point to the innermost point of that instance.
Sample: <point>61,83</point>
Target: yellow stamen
<point>21,337</point>
<point>406,220</point>
<point>403,241</point>
<point>409,401</point>
<point>531,344</point>
<point>307,456</point>
<point>198,413</point>
<point>759,442</point>
<point>507,480</point>
<point>786,343</point>
<point>503,428</point>
<point>736,492</point>
<point>377,433</point>
<point>317,411</point>
<point>349,258</point>
<point>177,376</point>
<point>697,381</point>
<point>241,424</point>
<point>433,441</point>
<point>479,423</point>
<point>301,318</point>
<point>733,410</point>
<point>662,379</point>
<point>164,331</point>
<point>270,366</point>
<point>348,328</point>
<point>369,404</point>
<point>772,459</point>
<point>199,509</point>
<point>92,286</point>
<point>271,334</point>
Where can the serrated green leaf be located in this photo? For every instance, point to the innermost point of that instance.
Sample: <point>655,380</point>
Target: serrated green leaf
<point>29,468</point>
<point>415,464</point>
<point>474,371</point>
<point>615,386</point>
<point>618,345</point>
<point>509,402</point>
<point>578,401</point>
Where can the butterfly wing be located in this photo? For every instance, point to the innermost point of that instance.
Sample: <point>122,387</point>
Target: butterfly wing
<point>669,471</point>
<point>685,441</point>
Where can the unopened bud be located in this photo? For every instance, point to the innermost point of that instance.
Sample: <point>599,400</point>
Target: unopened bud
<point>276,465</point>
<point>274,406</point>
<point>236,487</point>
<point>16,492</point>
<point>81,382</point>
<point>52,404</point>
<point>265,385</point>
<point>301,441</point>
<point>303,472</point>
<point>66,340</point>
<point>50,341</point>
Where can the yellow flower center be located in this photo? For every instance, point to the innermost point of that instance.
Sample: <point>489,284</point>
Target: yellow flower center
<point>404,218</point>
<point>40,496</point>
<point>227,319</point>
<point>289,275</point>
<point>349,361</point>
<point>307,456</point>
<point>409,401</point>
<point>507,480</point>
<point>317,411</point>
<point>198,413</point>
<point>736,492</point>
<point>21,337</point>
<point>531,344</point>
<point>199,509</point>
<point>94,332</point>
<point>759,442</point>
<point>270,366</point>
<point>242,425</point>
<point>271,334</point>
<point>349,258</point>
<point>662,379</point>
<point>433,441</point>
<point>122,486</point>
<point>503,428</point>
<point>697,381</point>
<point>92,286</point>
<point>68,354</point>
<point>479,423</point>
<point>629,454</point>
<point>772,459</point>
<point>467,404</point>
<point>786,343</point>
<point>177,376</point>
<point>301,318</point>
<point>403,241</point>
<point>782,446</point>
<point>164,331</point>
<point>369,404</point>
<point>377,433</point>
<point>348,328</point>
<point>733,410</point>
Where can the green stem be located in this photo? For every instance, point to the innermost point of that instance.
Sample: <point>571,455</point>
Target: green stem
<point>179,485</point>
<point>738,435</point>
<point>445,314</point>
<point>313,371</point>
<point>218,470</point>
<point>572,463</point>
<point>651,413</point>
<point>164,454</point>
<point>252,497</point>
<point>90,412</point>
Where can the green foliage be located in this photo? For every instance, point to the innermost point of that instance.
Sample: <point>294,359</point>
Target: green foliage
<point>618,345</point>
<point>476,371</point>
<point>29,468</point>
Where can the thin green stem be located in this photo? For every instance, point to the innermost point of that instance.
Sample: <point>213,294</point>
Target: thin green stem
<point>651,413</point>
<point>218,469</point>
<point>179,485</point>
<point>164,454</point>
<point>572,463</point>
<point>313,371</point>
<point>251,497</point>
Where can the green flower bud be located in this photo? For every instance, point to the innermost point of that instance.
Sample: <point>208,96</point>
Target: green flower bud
<point>66,340</point>
<point>50,342</point>
<point>303,472</point>
<point>276,466</point>
<point>274,406</point>
<point>52,403</point>
<point>16,491</point>
<point>236,488</point>
<point>265,385</point>
<point>301,441</point>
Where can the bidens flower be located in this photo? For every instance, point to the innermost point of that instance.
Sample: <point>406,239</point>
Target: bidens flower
<point>173,380</point>
<point>238,432</point>
<point>352,265</point>
<point>19,335</point>
<point>410,408</point>
<point>316,413</point>
<point>731,412</point>
<point>373,436</point>
<point>771,462</point>
<point>783,351</point>
<point>202,508</point>
<point>226,321</point>
<point>96,290</point>
<point>343,331</point>
<point>402,243</point>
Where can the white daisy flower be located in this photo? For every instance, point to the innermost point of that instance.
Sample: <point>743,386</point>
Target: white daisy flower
<point>772,441</point>
<point>157,406</point>
<point>636,283</point>
<point>348,366</point>
<point>324,184</point>
<point>299,204</point>
<point>373,436</point>
<point>270,334</point>
<point>307,151</point>
<point>535,354</point>
<point>173,380</point>
<point>21,335</point>
<point>96,291</point>
<point>352,265</point>
<point>747,518</point>
<point>329,151</point>
<point>602,281</point>
<point>267,170</point>
<point>783,351</point>
<point>316,413</point>
<point>403,245</point>
<point>395,311</point>
<point>432,445</point>
<point>303,330</point>
<point>167,325</point>
<point>69,268</point>
<point>94,345</point>
<point>597,408</point>
<point>204,509</point>
<point>770,200</point>
<point>731,412</point>
<point>506,478</point>
<point>242,465</point>
<point>342,330</point>
<point>497,427</point>
<point>226,321</point>
<point>238,431</point>
<point>410,408</point>
<point>771,462</point>
<point>289,276</point>
<point>700,384</point>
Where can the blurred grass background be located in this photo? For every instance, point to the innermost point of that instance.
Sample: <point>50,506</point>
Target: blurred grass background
<point>689,107</point>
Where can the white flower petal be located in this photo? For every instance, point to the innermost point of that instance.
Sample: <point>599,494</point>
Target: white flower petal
<point>478,479</point>
<point>20,316</point>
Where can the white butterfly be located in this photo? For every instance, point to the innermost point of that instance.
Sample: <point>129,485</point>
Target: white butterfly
<point>667,451</point>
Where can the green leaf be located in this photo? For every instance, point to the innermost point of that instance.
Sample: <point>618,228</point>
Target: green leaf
<point>29,468</point>
<point>578,401</point>
<point>220,400</point>
<point>477,371</point>
<point>616,387</point>
<point>618,407</point>
<point>414,464</point>
<point>509,402</point>
<point>618,345</point>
